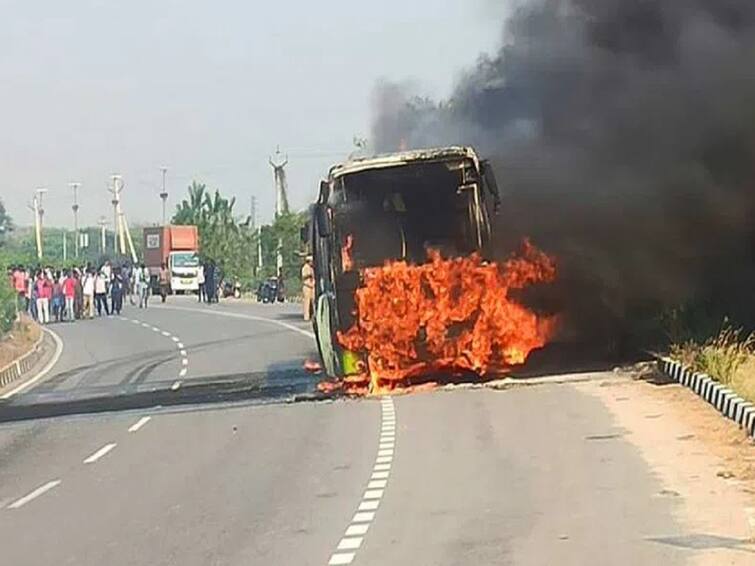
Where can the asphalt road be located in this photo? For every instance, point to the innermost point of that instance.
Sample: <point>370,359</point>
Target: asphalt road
<point>535,475</point>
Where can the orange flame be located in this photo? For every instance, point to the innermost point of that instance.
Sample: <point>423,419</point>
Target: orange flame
<point>448,315</point>
<point>347,254</point>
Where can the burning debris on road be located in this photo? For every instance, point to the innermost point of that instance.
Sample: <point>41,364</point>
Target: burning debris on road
<point>444,317</point>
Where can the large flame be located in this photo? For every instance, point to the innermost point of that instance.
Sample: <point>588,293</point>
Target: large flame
<point>448,315</point>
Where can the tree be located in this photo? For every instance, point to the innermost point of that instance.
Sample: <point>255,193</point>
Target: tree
<point>284,234</point>
<point>224,239</point>
<point>6,223</point>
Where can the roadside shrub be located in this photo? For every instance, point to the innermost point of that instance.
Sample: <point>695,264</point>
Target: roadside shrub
<point>720,356</point>
<point>7,305</point>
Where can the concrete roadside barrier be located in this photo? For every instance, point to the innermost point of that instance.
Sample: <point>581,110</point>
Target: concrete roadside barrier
<point>728,403</point>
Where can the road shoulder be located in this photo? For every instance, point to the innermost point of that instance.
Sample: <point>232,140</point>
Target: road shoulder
<point>701,459</point>
<point>34,366</point>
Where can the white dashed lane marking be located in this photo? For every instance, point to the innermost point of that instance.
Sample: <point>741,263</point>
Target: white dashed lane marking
<point>139,424</point>
<point>182,349</point>
<point>360,524</point>
<point>100,453</point>
<point>34,494</point>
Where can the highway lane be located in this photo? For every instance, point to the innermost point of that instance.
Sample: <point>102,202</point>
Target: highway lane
<point>535,475</point>
<point>157,347</point>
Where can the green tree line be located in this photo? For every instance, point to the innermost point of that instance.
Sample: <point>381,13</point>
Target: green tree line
<point>231,241</point>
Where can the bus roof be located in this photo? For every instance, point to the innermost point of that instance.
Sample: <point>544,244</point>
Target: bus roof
<point>400,159</point>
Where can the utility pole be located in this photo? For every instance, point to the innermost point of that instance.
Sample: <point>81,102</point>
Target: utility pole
<point>65,245</point>
<point>281,184</point>
<point>75,208</point>
<point>40,213</point>
<point>253,227</point>
<point>103,223</point>
<point>117,227</point>
<point>34,207</point>
<point>164,193</point>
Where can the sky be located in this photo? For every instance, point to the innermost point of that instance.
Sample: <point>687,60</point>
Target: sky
<point>90,88</point>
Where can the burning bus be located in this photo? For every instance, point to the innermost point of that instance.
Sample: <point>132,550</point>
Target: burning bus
<point>405,284</point>
<point>392,208</point>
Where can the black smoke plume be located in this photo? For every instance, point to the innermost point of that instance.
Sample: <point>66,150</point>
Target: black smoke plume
<point>623,135</point>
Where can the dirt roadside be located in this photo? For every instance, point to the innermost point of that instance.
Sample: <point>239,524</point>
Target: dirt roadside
<point>699,457</point>
<point>19,341</point>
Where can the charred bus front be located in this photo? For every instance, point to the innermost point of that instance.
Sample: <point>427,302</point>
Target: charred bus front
<point>392,207</point>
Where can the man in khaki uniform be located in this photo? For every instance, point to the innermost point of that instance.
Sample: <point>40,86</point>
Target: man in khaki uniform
<point>308,287</point>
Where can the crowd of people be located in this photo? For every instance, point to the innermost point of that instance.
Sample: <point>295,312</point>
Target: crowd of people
<point>65,295</point>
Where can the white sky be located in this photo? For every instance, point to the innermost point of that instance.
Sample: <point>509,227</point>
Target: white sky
<point>89,88</point>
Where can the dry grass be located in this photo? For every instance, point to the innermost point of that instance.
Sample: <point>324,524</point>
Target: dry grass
<point>18,341</point>
<point>743,381</point>
<point>728,357</point>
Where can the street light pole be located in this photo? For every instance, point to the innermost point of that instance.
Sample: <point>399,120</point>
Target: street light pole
<point>116,190</point>
<point>40,219</point>
<point>164,193</point>
<point>103,224</point>
<point>75,208</point>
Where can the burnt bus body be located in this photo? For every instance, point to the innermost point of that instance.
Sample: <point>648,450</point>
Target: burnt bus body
<point>392,207</point>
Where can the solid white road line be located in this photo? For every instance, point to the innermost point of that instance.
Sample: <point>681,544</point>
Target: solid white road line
<point>100,453</point>
<point>43,372</point>
<point>139,424</point>
<point>34,494</point>
<point>291,327</point>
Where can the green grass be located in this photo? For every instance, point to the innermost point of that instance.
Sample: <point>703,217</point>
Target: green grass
<point>7,306</point>
<point>728,357</point>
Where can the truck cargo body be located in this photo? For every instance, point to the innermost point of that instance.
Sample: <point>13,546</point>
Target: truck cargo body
<point>177,247</point>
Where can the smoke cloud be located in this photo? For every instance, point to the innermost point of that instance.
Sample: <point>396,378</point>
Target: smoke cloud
<point>622,133</point>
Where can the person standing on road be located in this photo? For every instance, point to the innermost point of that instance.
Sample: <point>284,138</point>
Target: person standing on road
<point>116,291</point>
<point>200,280</point>
<point>69,292</point>
<point>78,295</point>
<point>164,282</point>
<point>19,284</point>
<point>144,277</point>
<point>209,282</point>
<point>100,293</point>
<point>88,294</point>
<point>281,286</point>
<point>308,287</point>
<point>44,294</point>
<point>58,298</point>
